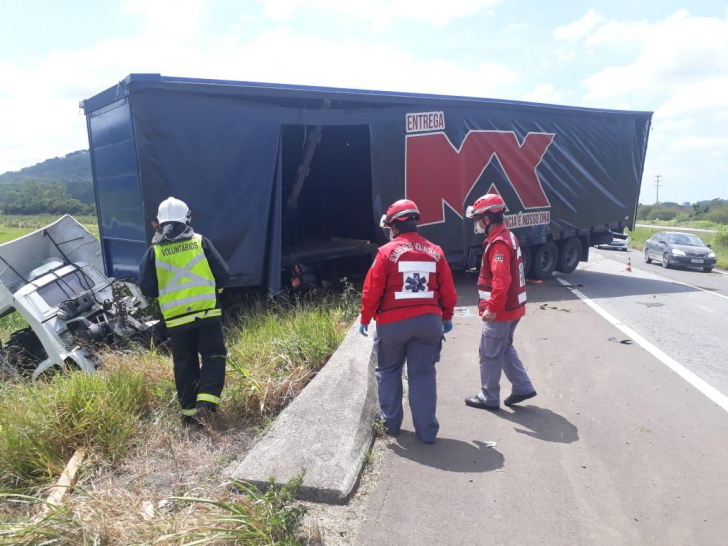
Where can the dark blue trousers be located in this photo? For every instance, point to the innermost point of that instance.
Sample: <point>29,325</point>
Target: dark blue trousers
<point>417,341</point>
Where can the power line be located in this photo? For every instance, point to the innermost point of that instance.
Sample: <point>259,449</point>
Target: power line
<point>657,188</point>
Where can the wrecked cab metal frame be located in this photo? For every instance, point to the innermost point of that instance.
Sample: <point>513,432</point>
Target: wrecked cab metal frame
<point>52,278</point>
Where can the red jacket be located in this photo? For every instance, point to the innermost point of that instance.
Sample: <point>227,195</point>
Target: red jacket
<point>409,277</point>
<point>501,283</point>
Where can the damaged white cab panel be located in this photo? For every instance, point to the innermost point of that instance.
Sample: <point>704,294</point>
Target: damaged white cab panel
<point>53,278</point>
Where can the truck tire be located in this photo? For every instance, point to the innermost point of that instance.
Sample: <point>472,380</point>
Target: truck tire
<point>24,350</point>
<point>544,260</point>
<point>527,259</point>
<point>569,254</point>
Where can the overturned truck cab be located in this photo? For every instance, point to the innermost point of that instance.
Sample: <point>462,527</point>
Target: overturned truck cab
<point>52,278</point>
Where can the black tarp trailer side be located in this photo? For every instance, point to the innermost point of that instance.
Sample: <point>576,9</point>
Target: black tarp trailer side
<point>234,150</point>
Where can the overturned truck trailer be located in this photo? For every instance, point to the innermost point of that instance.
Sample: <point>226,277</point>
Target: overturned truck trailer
<point>290,181</point>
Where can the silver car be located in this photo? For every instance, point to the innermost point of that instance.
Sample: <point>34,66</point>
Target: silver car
<point>675,248</point>
<point>620,241</point>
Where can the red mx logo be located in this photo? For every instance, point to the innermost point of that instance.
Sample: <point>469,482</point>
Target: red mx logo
<point>437,173</point>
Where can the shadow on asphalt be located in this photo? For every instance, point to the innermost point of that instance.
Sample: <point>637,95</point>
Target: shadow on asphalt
<point>448,454</point>
<point>542,424</point>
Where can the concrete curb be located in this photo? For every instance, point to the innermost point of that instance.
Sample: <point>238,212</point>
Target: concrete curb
<point>326,431</point>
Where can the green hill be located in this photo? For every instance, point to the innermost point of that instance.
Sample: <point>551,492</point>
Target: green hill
<point>58,185</point>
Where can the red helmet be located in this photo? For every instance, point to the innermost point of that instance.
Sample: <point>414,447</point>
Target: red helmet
<point>490,202</point>
<point>399,211</point>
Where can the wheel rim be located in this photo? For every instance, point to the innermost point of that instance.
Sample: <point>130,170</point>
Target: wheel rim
<point>570,255</point>
<point>647,255</point>
<point>665,260</point>
<point>546,261</point>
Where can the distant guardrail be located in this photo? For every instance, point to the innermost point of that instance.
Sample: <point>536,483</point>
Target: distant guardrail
<point>673,228</point>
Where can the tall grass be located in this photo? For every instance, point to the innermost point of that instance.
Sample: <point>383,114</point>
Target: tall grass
<point>43,423</point>
<point>274,350</point>
<point>58,526</point>
<point>270,517</point>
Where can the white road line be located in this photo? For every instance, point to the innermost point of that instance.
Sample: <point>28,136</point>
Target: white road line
<point>711,392</point>
<point>697,288</point>
<point>684,283</point>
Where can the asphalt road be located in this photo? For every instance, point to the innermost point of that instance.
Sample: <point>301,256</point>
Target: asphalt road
<point>682,311</point>
<point>616,448</point>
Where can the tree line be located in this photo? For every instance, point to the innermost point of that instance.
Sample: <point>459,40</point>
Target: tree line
<point>715,211</point>
<point>34,196</point>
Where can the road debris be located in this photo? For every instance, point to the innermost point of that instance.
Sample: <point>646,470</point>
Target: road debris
<point>623,341</point>
<point>547,307</point>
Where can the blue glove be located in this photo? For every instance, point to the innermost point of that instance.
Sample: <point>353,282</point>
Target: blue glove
<point>363,329</point>
<point>447,327</point>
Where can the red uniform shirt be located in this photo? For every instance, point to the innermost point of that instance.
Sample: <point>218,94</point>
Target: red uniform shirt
<point>502,283</point>
<point>409,277</point>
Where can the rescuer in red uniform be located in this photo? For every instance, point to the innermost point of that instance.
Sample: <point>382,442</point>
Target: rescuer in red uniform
<point>502,304</point>
<point>409,291</point>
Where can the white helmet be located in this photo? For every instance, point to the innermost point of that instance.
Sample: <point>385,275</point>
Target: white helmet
<point>173,210</point>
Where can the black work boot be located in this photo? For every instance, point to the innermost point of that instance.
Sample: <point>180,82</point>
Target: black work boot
<point>517,398</point>
<point>476,402</point>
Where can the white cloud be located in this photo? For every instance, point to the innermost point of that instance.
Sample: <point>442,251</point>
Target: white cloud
<point>543,92</point>
<point>709,93</point>
<point>679,50</point>
<point>578,29</point>
<point>39,97</point>
<point>678,67</point>
<point>177,18</point>
<point>693,143</point>
<point>381,13</point>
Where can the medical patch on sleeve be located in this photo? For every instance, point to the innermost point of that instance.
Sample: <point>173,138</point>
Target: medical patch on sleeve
<point>499,257</point>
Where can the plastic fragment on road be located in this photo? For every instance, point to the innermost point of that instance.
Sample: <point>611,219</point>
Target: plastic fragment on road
<point>463,312</point>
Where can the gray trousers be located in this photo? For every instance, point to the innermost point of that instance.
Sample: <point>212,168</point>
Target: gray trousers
<point>498,353</point>
<point>418,341</point>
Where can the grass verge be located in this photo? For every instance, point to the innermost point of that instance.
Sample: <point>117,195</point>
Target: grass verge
<point>126,418</point>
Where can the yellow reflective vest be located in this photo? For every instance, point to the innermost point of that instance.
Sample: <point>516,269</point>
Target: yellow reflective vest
<point>186,284</point>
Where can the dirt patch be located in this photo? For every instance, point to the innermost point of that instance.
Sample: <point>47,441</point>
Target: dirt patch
<point>130,504</point>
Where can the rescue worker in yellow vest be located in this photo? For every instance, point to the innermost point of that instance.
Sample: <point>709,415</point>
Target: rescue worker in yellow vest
<point>184,270</point>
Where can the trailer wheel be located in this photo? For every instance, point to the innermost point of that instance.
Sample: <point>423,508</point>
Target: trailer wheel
<point>544,261</point>
<point>569,254</point>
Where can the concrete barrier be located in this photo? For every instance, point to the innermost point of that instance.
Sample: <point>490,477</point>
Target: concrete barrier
<point>326,430</point>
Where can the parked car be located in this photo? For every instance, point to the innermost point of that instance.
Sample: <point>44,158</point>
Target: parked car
<point>620,241</point>
<point>672,248</point>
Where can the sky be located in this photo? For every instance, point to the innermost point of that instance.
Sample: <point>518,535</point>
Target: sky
<point>670,57</point>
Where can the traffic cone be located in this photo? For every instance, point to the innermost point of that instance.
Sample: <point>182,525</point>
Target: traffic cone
<point>629,264</point>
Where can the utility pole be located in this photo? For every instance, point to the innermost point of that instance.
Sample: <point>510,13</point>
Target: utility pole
<point>657,186</point>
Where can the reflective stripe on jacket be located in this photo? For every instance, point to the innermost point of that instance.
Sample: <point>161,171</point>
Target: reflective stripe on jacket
<point>502,283</point>
<point>186,284</point>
